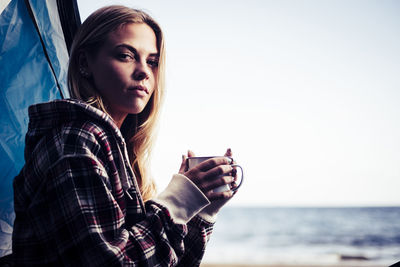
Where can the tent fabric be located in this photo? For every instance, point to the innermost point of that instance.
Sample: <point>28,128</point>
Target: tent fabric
<point>33,60</point>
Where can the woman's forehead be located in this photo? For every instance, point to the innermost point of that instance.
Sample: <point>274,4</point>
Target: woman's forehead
<point>138,35</point>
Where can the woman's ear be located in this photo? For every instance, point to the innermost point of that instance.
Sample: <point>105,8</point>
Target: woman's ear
<point>84,64</point>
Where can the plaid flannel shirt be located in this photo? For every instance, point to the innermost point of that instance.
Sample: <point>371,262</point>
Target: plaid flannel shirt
<point>77,202</point>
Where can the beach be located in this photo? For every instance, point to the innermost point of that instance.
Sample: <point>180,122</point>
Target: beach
<point>299,237</point>
<point>283,265</point>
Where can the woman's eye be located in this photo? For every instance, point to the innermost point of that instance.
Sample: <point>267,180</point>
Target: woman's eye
<point>125,56</point>
<point>152,62</point>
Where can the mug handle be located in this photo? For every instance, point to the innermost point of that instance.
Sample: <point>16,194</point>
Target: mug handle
<point>241,180</point>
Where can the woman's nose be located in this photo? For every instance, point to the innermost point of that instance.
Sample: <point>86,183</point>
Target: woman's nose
<point>141,71</point>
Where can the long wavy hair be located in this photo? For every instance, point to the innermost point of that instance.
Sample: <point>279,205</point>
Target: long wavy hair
<point>137,129</point>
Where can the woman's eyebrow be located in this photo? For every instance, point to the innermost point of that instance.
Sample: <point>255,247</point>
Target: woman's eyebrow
<point>133,50</point>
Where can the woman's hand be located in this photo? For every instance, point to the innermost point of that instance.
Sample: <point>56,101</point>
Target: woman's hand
<point>211,174</point>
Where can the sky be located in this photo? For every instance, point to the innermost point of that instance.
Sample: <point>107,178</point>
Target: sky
<point>305,93</point>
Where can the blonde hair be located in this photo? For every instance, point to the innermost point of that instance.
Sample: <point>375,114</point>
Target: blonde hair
<point>137,129</point>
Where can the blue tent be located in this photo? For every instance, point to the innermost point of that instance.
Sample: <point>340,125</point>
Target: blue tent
<point>34,40</point>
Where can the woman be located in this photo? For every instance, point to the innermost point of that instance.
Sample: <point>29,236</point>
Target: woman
<point>84,196</point>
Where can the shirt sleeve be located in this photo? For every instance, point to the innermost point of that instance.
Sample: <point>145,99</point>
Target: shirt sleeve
<point>182,197</point>
<point>199,232</point>
<point>89,225</point>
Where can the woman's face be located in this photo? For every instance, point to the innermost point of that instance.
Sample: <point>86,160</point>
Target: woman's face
<point>124,69</point>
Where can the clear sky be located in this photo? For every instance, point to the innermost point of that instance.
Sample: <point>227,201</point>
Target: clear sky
<point>306,93</point>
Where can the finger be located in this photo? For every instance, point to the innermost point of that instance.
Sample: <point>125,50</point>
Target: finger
<point>206,184</point>
<point>213,162</point>
<point>215,183</point>
<point>234,173</point>
<point>183,167</point>
<point>234,185</point>
<point>228,153</point>
<point>224,181</point>
<point>191,153</point>
<point>218,171</point>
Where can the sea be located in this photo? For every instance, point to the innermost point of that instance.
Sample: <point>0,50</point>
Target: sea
<point>350,236</point>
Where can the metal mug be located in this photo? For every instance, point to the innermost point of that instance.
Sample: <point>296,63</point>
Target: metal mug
<point>193,161</point>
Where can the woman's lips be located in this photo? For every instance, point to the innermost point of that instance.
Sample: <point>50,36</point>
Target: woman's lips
<point>139,90</point>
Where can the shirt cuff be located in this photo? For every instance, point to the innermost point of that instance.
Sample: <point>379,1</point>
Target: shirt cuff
<point>182,198</point>
<point>210,212</point>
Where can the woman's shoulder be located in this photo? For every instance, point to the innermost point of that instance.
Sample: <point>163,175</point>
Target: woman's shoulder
<point>53,113</point>
<point>69,115</point>
<point>69,125</point>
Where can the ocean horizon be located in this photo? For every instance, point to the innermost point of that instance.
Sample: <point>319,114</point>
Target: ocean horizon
<point>365,236</point>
